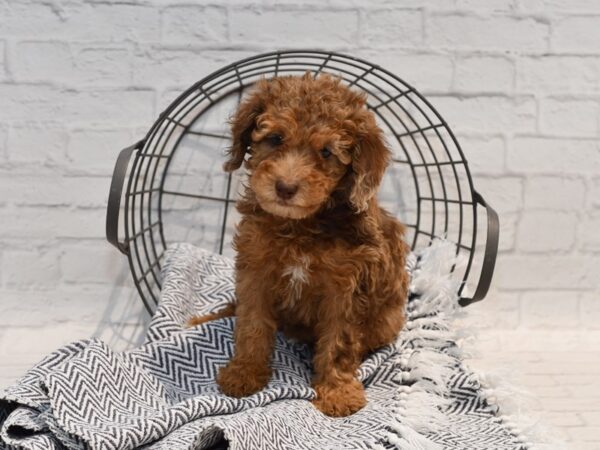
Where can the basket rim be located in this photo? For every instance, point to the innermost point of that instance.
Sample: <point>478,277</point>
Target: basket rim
<point>329,55</point>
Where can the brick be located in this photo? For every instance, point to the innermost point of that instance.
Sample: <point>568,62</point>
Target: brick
<point>491,6</point>
<point>501,311</point>
<point>41,20</point>
<point>155,66</point>
<point>426,73</point>
<point>30,269</point>
<point>49,222</point>
<point>24,103</point>
<point>193,25</point>
<point>405,4</point>
<point>549,310</point>
<point>504,194</point>
<point>72,65</point>
<point>535,155</point>
<point>56,191</point>
<point>558,74</point>
<point>117,108</point>
<point>39,144</point>
<point>594,195</point>
<point>396,28</point>
<point>589,238</point>
<point>3,144</point>
<point>93,262</point>
<point>502,33</point>
<point>20,307</point>
<point>484,74</point>
<point>508,231</point>
<point>101,305</point>
<point>487,114</point>
<point>559,340</point>
<point>102,66</point>
<point>576,34</point>
<point>554,192</point>
<point>54,57</point>
<point>545,231</point>
<point>590,310</point>
<point>114,107</point>
<point>563,117</point>
<point>485,154</point>
<point>3,70</point>
<point>96,151</point>
<point>554,6</point>
<point>546,271</point>
<point>252,26</point>
<point>79,22</point>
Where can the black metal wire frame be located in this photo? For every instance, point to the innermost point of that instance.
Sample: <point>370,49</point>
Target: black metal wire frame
<point>145,241</point>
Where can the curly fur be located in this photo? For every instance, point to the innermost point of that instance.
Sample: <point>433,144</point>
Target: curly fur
<point>326,265</point>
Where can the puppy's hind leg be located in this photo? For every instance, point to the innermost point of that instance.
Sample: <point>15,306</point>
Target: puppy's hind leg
<point>228,311</point>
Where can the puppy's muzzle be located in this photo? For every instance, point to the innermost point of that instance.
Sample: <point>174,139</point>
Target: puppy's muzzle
<point>284,190</point>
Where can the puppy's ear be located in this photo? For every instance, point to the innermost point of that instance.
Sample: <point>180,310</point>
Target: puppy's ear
<point>242,125</point>
<point>370,159</point>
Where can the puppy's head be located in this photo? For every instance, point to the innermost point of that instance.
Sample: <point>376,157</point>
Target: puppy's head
<point>307,138</point>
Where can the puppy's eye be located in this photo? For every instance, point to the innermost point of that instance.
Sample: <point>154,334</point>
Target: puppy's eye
<point>275,140</point>
<point>325,152</point>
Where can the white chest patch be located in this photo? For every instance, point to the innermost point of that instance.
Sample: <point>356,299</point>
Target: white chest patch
<point>298,275</point>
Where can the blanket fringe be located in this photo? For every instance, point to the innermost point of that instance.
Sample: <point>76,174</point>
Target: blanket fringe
<point>426,359</point>
<point>515,407</point>
<point>424,364</point>
<point>410,439</point>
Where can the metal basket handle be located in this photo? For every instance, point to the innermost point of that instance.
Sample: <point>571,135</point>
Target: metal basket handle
<point>114,197</point>
<point>489,257</point>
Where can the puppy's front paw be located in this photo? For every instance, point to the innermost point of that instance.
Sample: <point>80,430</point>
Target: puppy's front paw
<point>237,380</point>
<point>340,400</point>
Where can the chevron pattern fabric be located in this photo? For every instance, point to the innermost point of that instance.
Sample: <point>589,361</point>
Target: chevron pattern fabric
<point>163,395</point>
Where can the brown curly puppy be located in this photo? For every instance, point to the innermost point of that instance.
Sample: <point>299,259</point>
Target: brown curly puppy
<point>317,258</point>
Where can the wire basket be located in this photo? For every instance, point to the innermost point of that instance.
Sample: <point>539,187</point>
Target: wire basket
<point>176,190</point>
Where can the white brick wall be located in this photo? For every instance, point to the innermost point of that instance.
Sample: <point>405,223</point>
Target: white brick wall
<point>518,80</point>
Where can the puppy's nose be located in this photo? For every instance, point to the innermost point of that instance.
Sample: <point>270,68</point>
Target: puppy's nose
<point>284,190</point>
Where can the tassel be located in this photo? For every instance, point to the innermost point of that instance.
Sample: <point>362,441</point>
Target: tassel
<point>411,440</point>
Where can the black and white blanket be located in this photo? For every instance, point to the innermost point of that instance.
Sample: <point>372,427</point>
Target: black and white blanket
<point>163,394</point>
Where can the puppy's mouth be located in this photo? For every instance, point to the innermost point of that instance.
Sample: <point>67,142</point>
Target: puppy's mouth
<point>286,199</point>
<point>286,208</point>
